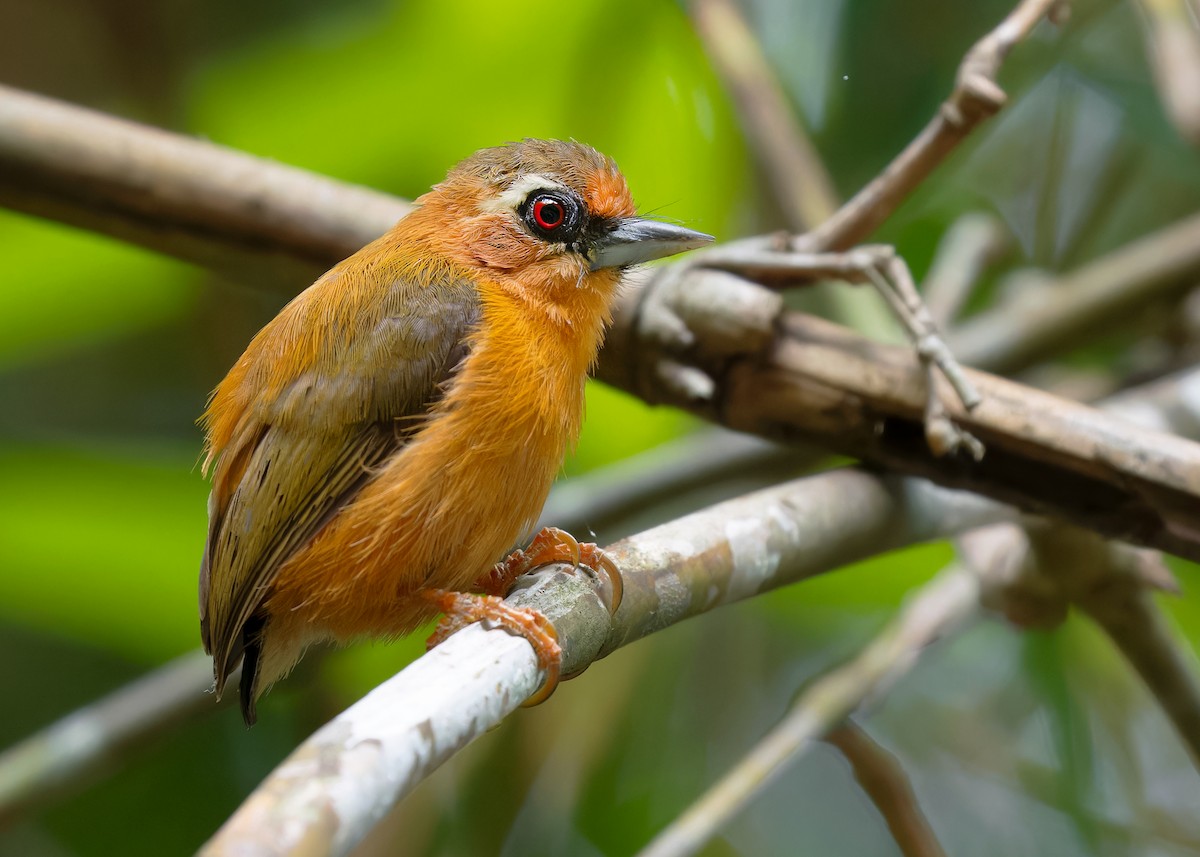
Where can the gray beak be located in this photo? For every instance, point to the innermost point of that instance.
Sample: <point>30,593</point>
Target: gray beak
<point>635,240</point>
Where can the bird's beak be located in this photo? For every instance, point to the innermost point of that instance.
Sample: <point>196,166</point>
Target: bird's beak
<point>634,240</point>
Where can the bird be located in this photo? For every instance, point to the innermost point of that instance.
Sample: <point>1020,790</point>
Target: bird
<point>394,431</point>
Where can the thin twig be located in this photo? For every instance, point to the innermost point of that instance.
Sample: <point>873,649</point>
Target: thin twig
<point>1173,46</point>
<point>1083,304</point>
<point>970,244</point>
<point>877,264</point>
<point>931,350</point>
<point>976,97</point>
<point>946,604</point>
<point>883,779</point>
<point>67,755</point>
<point>1143,635</point>
<point>796,175</point>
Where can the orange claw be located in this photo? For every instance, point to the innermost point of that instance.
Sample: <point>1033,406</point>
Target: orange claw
<point>553,545</point>
<point>548,546</point>
<point>463,609</point>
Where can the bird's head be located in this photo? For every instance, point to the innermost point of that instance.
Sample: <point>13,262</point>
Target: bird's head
<point>549,214</point>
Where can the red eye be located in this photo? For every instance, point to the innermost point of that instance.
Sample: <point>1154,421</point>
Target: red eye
<point>548,213</point>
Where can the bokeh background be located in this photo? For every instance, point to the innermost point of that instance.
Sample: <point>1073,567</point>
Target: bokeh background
<point>1017,743</point>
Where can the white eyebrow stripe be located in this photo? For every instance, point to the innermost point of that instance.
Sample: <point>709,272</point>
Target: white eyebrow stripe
<point>519,191</point>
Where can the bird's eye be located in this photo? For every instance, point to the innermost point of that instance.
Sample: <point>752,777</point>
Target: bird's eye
<point>548,213</point>
<point>555,216</point>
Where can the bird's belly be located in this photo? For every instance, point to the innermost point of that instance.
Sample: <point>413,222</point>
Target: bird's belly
<point>449,505</point>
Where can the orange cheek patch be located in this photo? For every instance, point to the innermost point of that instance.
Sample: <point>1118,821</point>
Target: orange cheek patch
<point>607,195</point>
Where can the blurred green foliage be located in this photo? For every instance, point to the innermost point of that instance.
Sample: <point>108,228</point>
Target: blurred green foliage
<point>1016,744</point>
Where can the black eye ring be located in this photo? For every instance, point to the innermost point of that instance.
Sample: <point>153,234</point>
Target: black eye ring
<point>553,215</point>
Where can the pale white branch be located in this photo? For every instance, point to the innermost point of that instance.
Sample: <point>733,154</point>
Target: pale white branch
<point>334,787</point>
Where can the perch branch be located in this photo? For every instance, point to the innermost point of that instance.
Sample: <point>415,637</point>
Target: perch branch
<point>95,740</point>
<point>337,784</point>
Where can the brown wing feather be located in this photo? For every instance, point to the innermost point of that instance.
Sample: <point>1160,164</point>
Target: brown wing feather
<point>290,452</point>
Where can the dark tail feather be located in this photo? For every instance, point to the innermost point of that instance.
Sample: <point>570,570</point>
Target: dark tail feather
<point>252,637</point>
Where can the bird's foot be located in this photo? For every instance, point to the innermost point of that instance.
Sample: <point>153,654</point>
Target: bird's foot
<point>549,546</point>
<point>553,545</point>
<point>462,609</point>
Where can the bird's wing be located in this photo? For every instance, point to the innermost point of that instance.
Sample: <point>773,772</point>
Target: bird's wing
<point>292,447</point>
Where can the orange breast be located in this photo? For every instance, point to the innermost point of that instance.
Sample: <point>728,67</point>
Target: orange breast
<point>464,490</point>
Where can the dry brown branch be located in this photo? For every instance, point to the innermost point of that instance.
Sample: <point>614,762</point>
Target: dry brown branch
<point>976,97</point>
<point>796,176</point>
<point>883,779</point>
<point>877,264</point>
<point>265,222</point>
<point>824,385</point>
<point>1173,48</point>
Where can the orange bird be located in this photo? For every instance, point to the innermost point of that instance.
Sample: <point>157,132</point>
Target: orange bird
<point>396,428</point>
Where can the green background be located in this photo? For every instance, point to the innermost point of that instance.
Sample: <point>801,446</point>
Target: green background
<point>1016,743</point>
